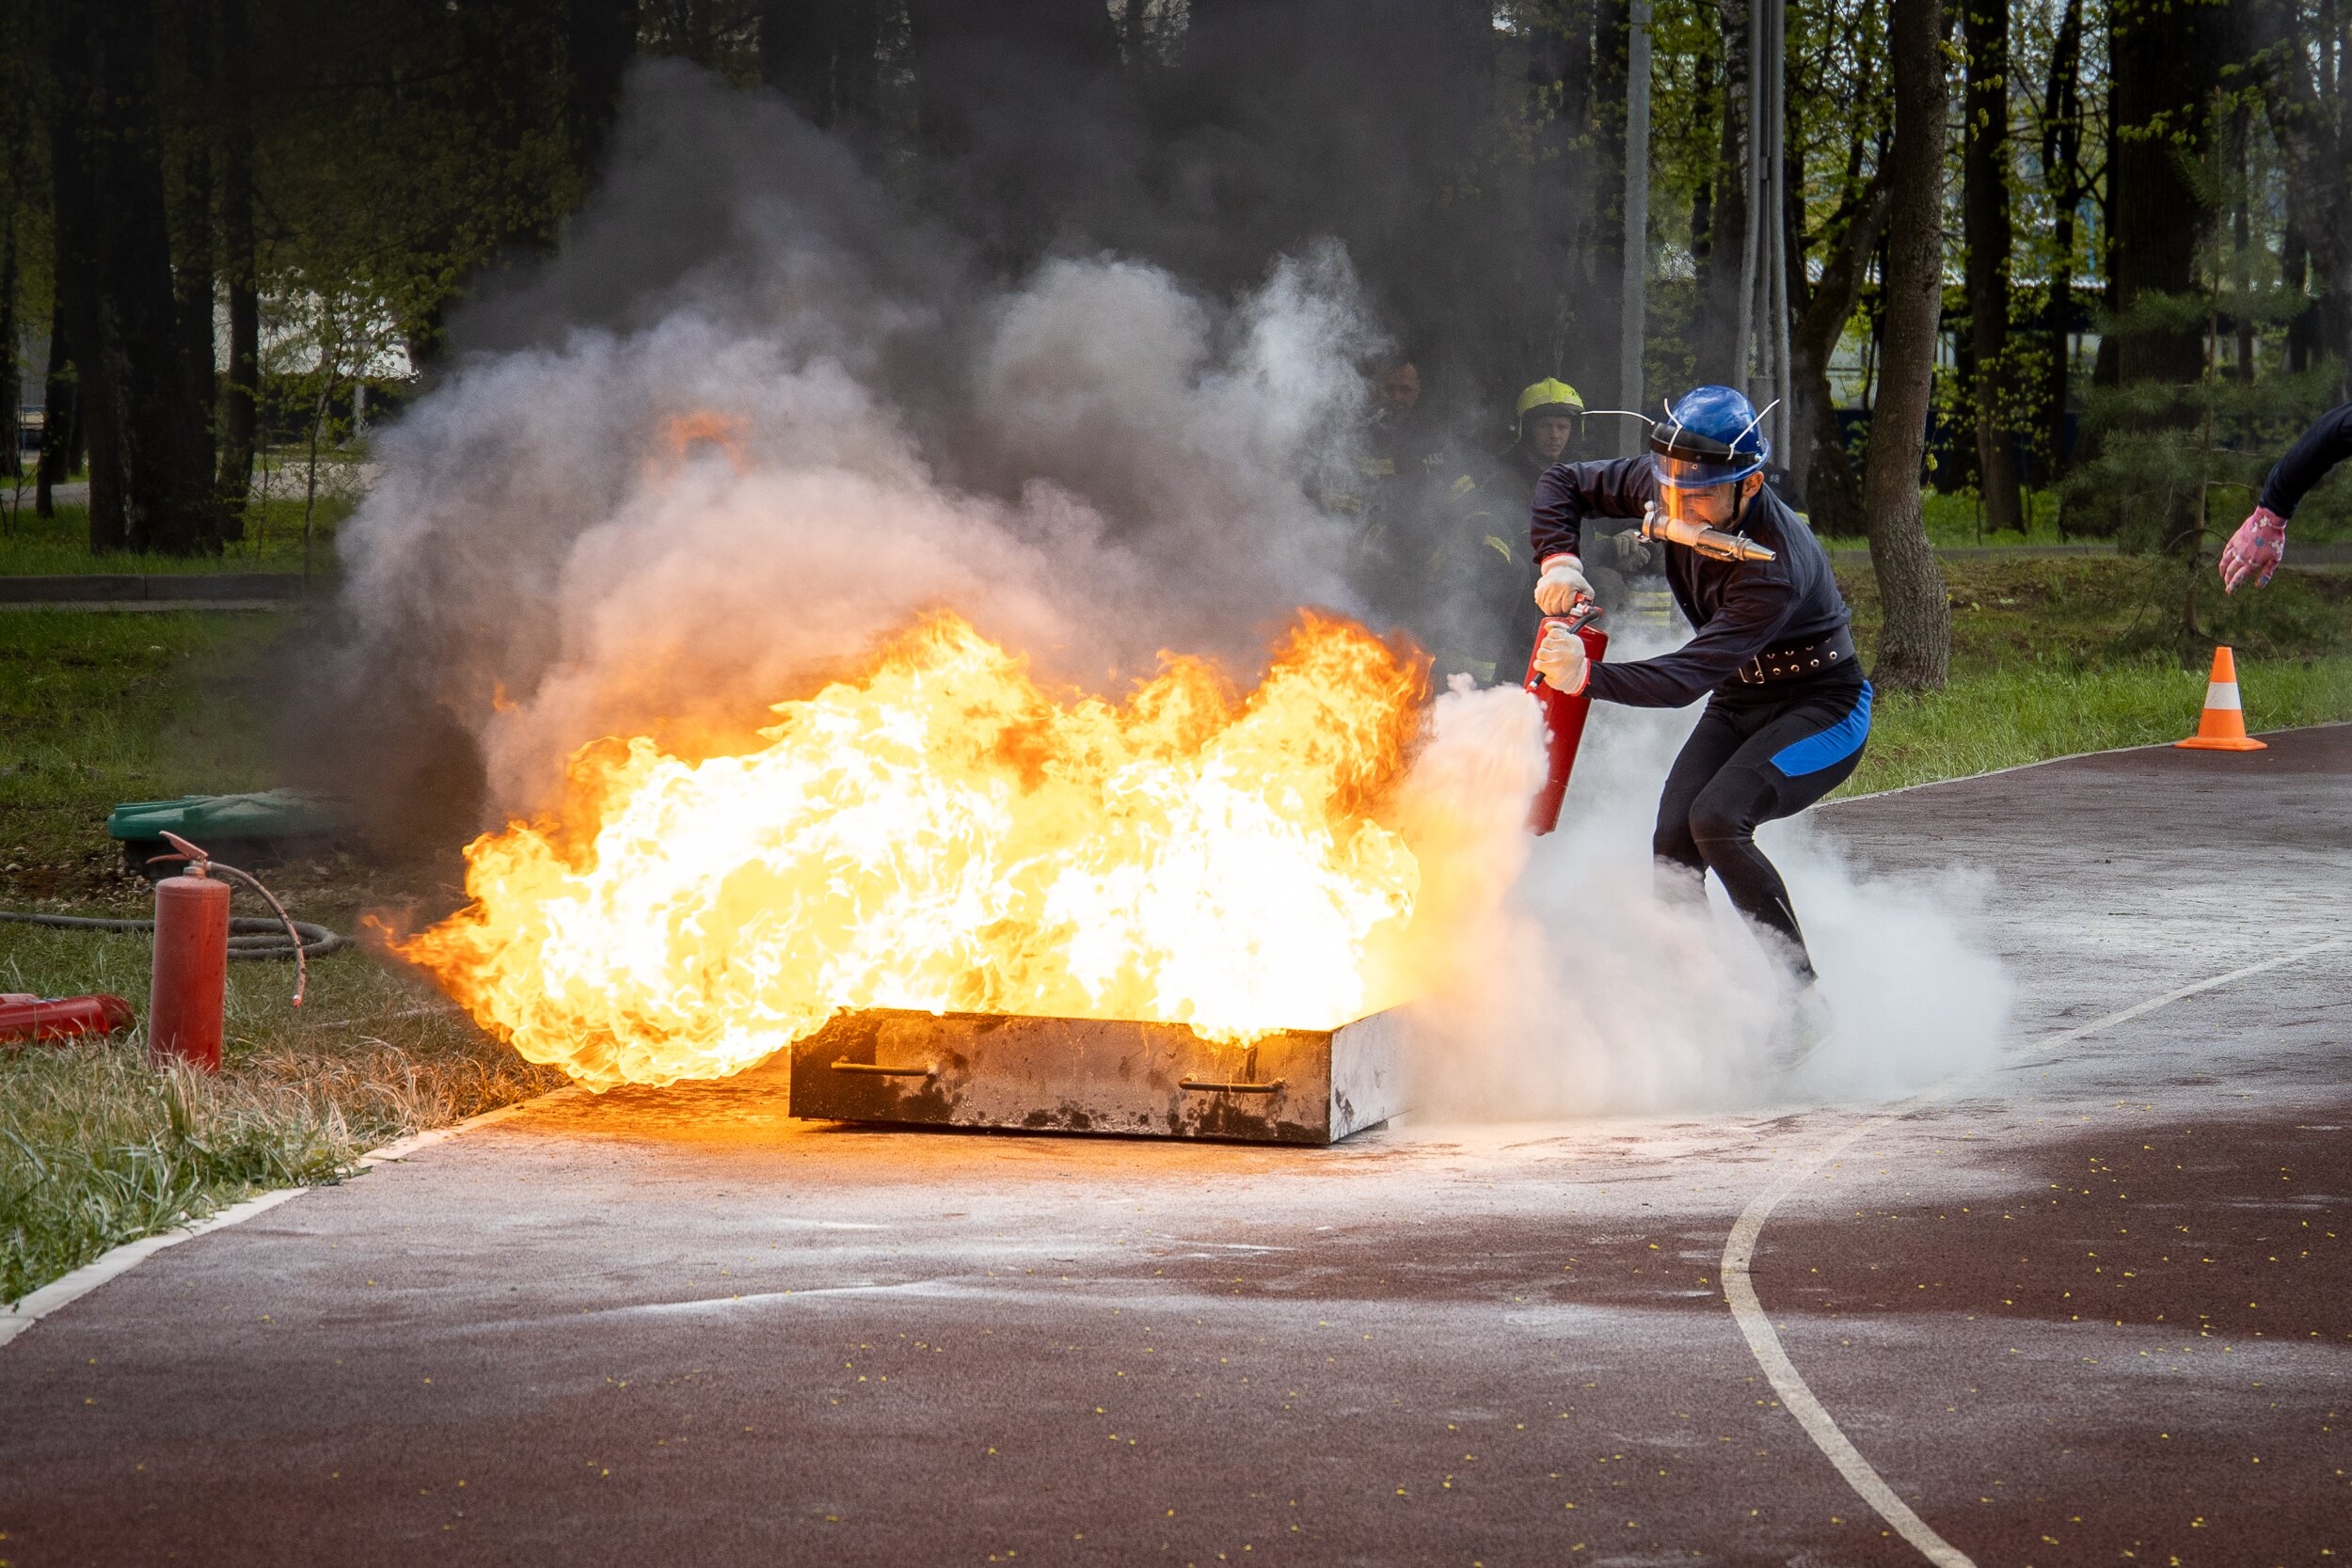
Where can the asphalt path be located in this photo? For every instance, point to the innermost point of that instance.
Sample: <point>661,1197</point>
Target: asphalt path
<point>2095,1305</point>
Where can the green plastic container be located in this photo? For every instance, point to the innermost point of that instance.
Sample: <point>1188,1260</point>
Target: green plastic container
<point>263,828</point>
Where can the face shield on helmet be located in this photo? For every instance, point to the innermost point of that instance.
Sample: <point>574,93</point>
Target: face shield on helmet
<point>1702,451</point>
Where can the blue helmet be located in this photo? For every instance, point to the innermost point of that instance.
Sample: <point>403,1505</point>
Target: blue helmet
<point>1712,436</point>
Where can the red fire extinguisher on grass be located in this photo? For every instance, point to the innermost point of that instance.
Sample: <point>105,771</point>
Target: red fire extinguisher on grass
<point>184,1012</point>
<point>1564,714</point>
<point>48,1021</point>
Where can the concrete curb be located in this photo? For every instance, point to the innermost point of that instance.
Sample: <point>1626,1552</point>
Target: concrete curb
<point>69,1289</point>
<point>2046,761</point>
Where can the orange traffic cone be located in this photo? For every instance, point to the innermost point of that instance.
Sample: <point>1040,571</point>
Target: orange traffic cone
<point>2223,726</point>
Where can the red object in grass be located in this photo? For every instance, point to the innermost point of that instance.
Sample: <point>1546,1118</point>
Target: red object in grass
<point>31,1019</point>
<point>183,1010</point>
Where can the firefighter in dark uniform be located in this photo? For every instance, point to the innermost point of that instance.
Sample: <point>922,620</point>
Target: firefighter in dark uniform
<point>1388,493</point>
<point>1787,707</point>
<point>1616,555</point>
<point>1488,576</point>
<point>2260,543</point>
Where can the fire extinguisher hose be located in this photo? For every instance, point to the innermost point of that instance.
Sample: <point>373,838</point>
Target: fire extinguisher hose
<point>249,936</point>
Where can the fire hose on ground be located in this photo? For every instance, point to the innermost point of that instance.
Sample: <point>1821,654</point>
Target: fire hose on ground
<point>249,936</point>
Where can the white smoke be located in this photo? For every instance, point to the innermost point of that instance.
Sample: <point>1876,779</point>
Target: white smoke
<point>1584,992</point>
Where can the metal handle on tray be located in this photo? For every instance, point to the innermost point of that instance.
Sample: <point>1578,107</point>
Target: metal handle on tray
<point>1211,1086</point>
<point>877,1069</point>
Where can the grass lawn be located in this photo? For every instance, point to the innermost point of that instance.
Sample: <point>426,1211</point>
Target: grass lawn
<point>2052,655</point>
<point>2059,655</point>
<point>31,545</point>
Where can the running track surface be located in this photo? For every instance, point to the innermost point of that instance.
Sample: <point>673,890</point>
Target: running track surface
<point>2091,1309</point>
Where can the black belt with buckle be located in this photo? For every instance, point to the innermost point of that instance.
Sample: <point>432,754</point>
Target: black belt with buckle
<point>1798,659</point>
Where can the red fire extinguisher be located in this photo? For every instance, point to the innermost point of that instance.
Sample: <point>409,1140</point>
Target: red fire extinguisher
<point>47,1020</point>
<point>184,1012</point>
<point>1564,714</point>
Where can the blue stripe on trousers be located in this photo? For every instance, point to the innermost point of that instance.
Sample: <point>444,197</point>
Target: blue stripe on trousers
<point>1829,747</point>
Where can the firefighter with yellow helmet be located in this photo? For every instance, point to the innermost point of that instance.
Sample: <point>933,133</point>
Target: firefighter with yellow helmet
<point>1549,427</point>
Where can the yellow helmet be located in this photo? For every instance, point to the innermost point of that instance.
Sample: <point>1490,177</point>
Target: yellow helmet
<point>1548,393</point>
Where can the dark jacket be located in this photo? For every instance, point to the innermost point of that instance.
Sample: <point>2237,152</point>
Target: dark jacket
<point>2327,443</point>
<point>1740,608</point>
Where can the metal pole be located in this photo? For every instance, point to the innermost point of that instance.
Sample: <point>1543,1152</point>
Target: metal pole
<point>1633,321</point>
<point>1744,331</point>
<point>1784,373</point>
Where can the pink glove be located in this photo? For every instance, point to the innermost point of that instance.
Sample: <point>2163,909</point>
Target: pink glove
<point>2257,547</point>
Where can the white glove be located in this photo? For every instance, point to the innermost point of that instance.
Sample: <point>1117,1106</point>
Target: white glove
<point>1562,584</point>
<point>1560,659</point>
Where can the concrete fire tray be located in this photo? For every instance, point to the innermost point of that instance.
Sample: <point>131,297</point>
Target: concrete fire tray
<point>1092,1075</point>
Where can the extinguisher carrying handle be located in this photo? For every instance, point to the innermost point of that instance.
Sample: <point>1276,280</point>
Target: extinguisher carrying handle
<point>200,864</point>
<point>1581,614</point>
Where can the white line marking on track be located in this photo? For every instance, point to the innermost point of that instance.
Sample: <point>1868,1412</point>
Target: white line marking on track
<point>68,1289</point>
<point>1796,1397</point>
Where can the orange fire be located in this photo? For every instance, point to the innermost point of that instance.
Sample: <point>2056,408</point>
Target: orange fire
<point>940,833</point>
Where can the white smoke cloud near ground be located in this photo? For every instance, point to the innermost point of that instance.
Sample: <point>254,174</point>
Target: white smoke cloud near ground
<point>1091,463</point>
<point>1584,992</point>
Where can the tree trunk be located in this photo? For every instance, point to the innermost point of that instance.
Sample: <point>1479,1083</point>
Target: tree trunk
<point>1984,203</point>
<point>821,56</point>
<point>241,387</point>
<point>998,84</point>
<point>1721,357</point>
<point>795,54</point>
<point>2062,166</point>
<point>1819,468</point>
<point>191,216</point>
<point>155,457</point>
<point>1605,247</point>
<point>11,369</point>
<point>1564,340</point>
<point>600,37</point>
<point>2161,75</point>
<point>76,388</point>
<point>1915,640</point>
<point>60,418</point>
<point>2294,265</point>
<point>2308,117</point>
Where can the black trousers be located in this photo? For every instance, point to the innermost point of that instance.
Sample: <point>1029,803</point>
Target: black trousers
<point>1760,753</point>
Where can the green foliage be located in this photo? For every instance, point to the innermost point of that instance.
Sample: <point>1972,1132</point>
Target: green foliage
<point>400,151</point>
<point>2176,466</point>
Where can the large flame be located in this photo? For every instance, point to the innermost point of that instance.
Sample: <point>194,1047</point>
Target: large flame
<point>942,834</point>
